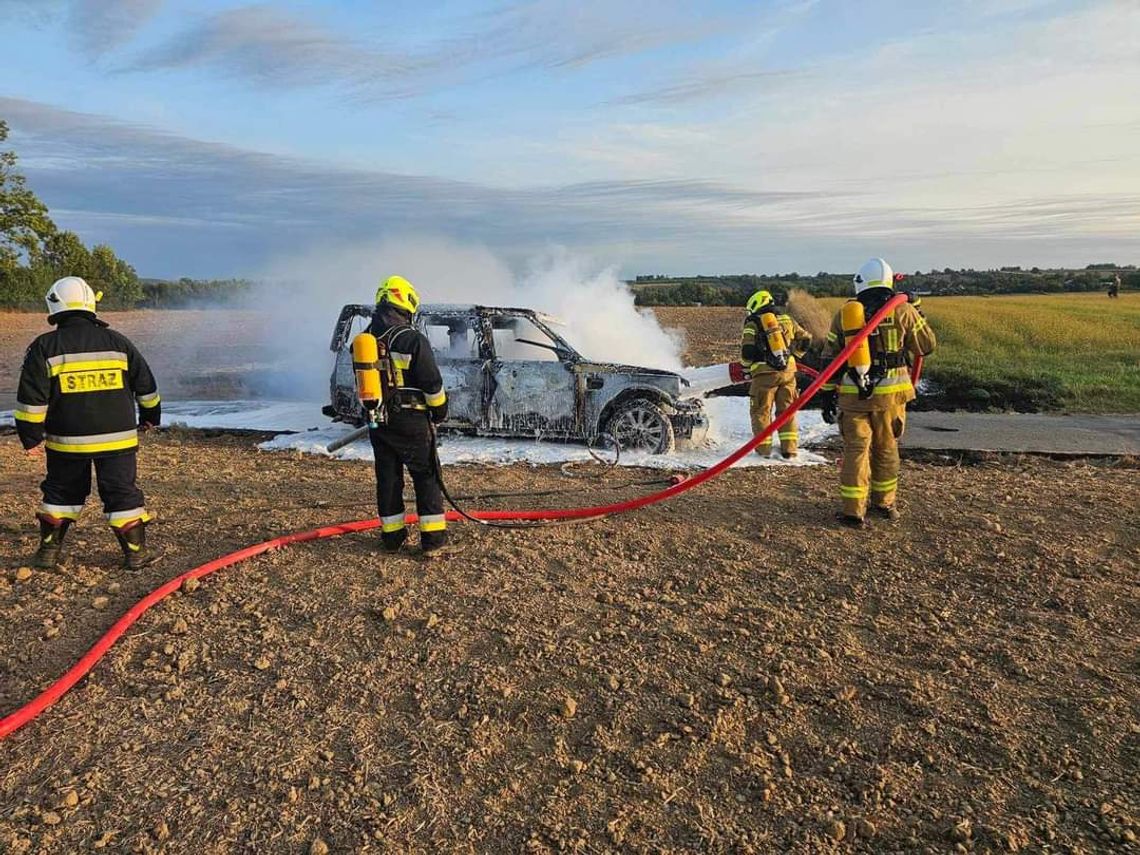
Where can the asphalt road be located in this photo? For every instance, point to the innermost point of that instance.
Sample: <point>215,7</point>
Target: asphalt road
<point>1023,432</point>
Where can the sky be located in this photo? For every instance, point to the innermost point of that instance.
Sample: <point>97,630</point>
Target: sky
<point>215,137</point>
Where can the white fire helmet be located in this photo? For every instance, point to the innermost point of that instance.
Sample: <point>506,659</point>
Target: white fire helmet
<point>72,294</point>
<point>876,273</point>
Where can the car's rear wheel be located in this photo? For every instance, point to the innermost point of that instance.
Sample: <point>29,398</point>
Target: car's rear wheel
<point>641,425</point>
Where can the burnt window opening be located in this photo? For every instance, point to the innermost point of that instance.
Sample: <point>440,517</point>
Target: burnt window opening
<point>452,338</point>
<point>519,339</point>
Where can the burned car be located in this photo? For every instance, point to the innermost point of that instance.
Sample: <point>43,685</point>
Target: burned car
<point>509,374</point>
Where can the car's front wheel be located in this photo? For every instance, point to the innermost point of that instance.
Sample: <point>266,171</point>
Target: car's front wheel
<point>641,425</point>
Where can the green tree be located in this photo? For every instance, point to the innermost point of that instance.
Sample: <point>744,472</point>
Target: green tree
<point>24,220</point>
<point>34,253</point>
<point>117,279</point>
<point>63,254</point>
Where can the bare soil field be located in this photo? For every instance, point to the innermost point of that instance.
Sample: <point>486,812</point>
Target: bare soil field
<point>711,333</point>
<point>195,354</point>
<point>728,672</point>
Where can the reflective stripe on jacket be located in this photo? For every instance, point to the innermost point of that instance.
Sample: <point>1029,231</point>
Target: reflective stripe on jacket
<point>83,389</point>
<point>904,333</point>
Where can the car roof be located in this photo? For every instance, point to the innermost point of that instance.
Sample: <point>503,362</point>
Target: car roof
<point>465,308</point>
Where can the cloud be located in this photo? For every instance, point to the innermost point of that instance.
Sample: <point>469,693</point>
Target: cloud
<point>178,206</point>
<point>96,27</point>
<point>707,86</point>
<point>101,26</point>
<point>133,183</point>
<point>272,48</point>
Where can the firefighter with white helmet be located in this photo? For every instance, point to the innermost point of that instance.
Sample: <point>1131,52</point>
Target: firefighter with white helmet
<point>85,391</point>
<point>769,344</point>
<point>870,394</point>
<point>401,388</point>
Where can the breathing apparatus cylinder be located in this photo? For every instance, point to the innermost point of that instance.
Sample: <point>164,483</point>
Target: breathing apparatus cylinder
<point>777,347</point>
<point>859,362</point>
<point>366,363</point>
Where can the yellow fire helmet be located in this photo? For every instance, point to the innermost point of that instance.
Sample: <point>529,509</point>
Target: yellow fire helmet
<point>398,292</point>
<point>758,301</point>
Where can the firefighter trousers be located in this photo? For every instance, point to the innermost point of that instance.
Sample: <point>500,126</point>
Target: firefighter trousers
<point>870,458</point>
<point>764,391</point>
<point>406,442</point>
<point>68,483</point>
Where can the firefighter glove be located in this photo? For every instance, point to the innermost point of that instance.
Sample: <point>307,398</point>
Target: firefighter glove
<point>830,407</point>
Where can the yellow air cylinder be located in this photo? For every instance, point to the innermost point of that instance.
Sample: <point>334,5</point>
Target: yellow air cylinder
<point>365,361</point>
<point>853,320</point>
<point>775,335</point>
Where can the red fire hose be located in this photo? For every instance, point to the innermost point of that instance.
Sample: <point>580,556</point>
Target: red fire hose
<point>14,721</point>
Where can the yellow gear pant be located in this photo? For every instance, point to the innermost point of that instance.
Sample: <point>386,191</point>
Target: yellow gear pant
<point>764,391</point>
<point>870,458</point>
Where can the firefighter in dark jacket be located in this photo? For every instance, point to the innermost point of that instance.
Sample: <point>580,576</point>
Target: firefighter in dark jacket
<point>78,393</point>
<point>402,435</point>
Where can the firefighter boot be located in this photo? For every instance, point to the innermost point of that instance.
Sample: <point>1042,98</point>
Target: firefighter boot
<point>133,541</point>
<point>52,532</point>
<point>393,541</point>
<point>433,543</point>
<point>888,513</point>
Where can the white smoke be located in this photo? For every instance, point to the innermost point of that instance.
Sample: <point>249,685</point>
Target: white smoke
<point>302,296</point>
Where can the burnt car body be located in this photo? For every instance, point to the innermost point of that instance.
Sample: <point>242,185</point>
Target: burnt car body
<point>508,373</point>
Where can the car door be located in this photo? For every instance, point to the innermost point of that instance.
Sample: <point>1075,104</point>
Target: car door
<point>533,389</point>
<point>461,348</point>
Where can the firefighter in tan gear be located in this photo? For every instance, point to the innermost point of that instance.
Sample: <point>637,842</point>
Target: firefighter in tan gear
<point>769,345</point>
<point>871,397</point>
<point>84,393</point>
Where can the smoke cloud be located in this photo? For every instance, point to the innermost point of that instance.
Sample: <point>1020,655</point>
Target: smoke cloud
<point>301,297</point>
<point>811,313</point>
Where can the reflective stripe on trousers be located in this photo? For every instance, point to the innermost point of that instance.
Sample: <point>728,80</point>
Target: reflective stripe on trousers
<point>93,443</point>
<point>870,458</point>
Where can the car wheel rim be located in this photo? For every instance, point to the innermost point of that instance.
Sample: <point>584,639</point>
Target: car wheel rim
<point>639,429</point>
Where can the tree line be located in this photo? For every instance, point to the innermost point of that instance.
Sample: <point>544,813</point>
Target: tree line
<point>660,290</point>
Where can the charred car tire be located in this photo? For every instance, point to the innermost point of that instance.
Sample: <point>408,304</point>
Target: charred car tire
<point>641,425</point>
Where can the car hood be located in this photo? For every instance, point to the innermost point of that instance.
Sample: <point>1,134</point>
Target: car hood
<point>618,368</point>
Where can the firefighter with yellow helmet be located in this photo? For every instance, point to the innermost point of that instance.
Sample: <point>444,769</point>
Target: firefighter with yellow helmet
<point>769,344</point>
<point>869,395</point>
<point>85,391</point>
<point>401,389</point>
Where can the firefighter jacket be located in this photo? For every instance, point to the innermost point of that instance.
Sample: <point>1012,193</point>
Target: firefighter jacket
<point>414,373</point>
<point>902,335</point>
<point>754,347</point>
<point>79,389</point>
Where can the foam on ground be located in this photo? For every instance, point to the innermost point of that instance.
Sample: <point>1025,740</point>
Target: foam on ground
<point>301,427</point>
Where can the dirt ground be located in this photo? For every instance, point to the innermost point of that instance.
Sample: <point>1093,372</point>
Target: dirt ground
<point>195,354</point>
<point>728,672</point>
<point>711,333</point>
